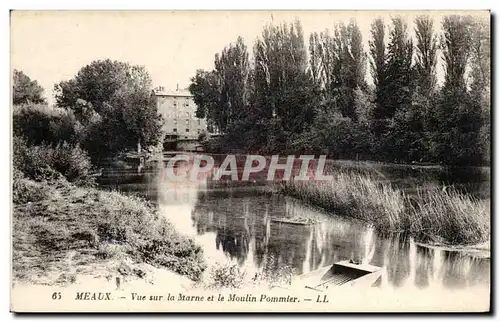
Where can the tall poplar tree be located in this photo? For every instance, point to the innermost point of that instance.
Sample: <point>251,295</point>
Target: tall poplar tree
<point>283,86</point>
<point>378,65</point>
<point>222,94</point>
<point>426,55</point>
<point>456,139</point>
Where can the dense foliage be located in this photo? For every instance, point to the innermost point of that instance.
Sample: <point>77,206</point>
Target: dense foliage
<point>112,101</point>
<point>46,163</point>
<point>318,99</point>
<point>25,90</point>
<point>40,124</point>
<point>105,109</point>
<point>108,107</point>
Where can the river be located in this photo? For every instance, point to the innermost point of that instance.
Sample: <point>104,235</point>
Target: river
<point>236,222</point>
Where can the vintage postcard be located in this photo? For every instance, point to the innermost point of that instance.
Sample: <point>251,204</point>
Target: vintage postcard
<point>250,161</point>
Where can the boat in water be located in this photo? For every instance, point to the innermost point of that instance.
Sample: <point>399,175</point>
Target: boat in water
<point>343,273</point>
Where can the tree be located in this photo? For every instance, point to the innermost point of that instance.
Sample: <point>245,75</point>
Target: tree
<point>222,94</point>
<point>457,118</point>
<point>284,97</point>
<point>400,80</point>
<point>25,90</point>
<point>113,101</point>
<point>424,98</point>
<point>394,87</point>
<point>405,127</point>
<point>378,65</point>
<point>316,59</point>
<point>426,55</point>
<point>232,68</point>
<point>323,66</point>
<point>480,62</point>
<point>352,69</point>
<point>205,90</point>
<point>480,75</point>
<point>338,66</point>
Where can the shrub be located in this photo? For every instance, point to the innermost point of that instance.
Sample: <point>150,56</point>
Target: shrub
<point>231,275</point>
<point>73,162</point>
<point>45,162</point>
<point>274,273</point>
<point>226,276</point>
<point>129,220</point>
<point>24,190</point>
<point>42,124</point>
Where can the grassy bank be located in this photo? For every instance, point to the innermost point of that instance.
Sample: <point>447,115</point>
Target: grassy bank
<point>59,229</point>
<point>438,216</point>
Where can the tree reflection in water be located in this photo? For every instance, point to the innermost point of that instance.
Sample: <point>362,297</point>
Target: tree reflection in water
<point>237,223</point>
<point>245,232</point>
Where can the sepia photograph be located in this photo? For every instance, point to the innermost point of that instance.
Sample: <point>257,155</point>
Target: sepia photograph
<point>250,161</point>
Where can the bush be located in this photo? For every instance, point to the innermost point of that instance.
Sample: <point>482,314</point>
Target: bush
<point>73,162</point>
<point>45,162</point>
<point>231,275</point>
<point>129,220</point>
<point>226,276</point>
<point>274,273</point>
<point>174,251</point>
<point>24,190</point>
<point>42,124</point>
<point>335,136</point>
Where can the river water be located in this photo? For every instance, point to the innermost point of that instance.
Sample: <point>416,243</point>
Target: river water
<point>235,222</point>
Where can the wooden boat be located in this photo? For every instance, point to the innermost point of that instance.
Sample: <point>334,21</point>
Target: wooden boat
<point>291,221</point>
<point>343,273</point>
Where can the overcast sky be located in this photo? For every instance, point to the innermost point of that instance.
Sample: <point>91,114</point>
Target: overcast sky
<point>50,46</point>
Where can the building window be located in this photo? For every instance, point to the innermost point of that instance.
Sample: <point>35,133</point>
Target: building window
<point>199,131</point>
<point>175,130</point>
<point>199,121</point>
<point>187,130</point>
<point>187,122</point>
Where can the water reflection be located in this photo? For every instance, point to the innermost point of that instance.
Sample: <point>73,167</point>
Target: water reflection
<point>240,224</point>
<point>241,228</point>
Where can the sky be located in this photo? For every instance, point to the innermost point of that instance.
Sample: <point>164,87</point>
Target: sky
<point>51,46</point>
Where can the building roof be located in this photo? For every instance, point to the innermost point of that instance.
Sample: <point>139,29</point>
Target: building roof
<point>160,91</point>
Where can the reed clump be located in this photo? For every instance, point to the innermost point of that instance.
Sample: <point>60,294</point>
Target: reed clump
<point>435,215</point>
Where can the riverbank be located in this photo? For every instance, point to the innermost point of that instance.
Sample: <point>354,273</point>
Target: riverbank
<point>62,231</point>
<point>433,216</point>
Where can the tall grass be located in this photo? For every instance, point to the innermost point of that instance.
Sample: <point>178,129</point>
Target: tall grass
<point>449,216</point>
<point>430,216</point>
